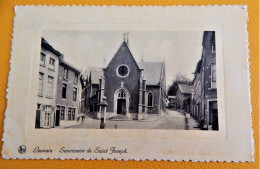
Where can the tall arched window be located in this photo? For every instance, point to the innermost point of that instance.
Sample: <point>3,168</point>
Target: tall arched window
<point>150,99</point>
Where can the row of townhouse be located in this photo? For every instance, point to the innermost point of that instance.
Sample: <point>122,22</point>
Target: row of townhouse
<point>58,90</point>
<point>200,98</point>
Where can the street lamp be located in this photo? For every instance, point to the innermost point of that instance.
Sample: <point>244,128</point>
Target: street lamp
<point>103,106</point>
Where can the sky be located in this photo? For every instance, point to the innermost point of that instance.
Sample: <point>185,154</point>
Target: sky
<point>83,49</point>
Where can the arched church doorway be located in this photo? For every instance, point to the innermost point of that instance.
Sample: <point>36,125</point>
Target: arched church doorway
<point>121,101</point>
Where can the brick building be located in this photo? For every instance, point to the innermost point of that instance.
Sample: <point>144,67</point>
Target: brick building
<point>183,92</point>
<point>133,90</point>
<point>68,90</point>
<point>47,85</point>
<point>204,97</point>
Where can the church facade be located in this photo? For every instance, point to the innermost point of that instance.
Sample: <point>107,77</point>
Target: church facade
<point>134,90</point>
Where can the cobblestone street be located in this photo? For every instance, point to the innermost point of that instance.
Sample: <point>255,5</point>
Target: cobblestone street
<point>174,120</point>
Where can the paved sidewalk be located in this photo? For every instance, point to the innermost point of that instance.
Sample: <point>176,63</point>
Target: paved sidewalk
<point>68,126</point>
<point>192,124</point>
<point>173,120</point>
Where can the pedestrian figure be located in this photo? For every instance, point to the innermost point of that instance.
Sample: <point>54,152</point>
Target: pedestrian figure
<point>82,119</point>
<point>115,126</point>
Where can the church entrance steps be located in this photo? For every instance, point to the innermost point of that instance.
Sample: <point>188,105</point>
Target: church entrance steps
<point>90,115</point>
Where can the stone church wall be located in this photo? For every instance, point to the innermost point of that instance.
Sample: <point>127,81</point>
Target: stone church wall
<point>155,91</point>
<point>131,82</point>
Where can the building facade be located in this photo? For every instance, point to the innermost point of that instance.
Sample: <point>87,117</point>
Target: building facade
<point>172,102</point>
<point>183,92</point>
<point>47,85</point>
<point>68,94</point>
<point>133,90</point>
<point>91,90</point>
<point>58,90</point>
<point>204,97</point>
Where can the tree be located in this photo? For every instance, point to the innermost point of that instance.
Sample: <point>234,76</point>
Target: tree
<point>179,79</point>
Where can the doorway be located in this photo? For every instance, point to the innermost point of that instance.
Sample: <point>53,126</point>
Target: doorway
<point>121,101</point>
<point>57,119</point>
<point>121,106</point>
<point>215,119</point>
<point>213,115</point>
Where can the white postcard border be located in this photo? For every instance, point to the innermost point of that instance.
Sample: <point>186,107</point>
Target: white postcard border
<point>169,147</point>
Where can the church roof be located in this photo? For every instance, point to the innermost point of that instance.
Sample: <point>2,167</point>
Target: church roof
<point>95,75</point>
<point>185,88</point>
<point>152,72</point>
<point>123,51</point>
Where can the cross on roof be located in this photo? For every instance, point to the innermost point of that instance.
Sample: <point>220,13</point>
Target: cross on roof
<point>125,37</point>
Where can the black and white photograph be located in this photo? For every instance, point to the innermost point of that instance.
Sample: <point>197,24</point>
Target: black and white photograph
<point>127,80</point>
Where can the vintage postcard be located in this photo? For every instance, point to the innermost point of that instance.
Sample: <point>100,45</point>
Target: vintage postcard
<point>156,83</point>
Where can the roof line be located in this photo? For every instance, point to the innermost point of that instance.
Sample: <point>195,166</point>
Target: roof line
<point>117,52</point>
<point>71,66</point>
<point>46,45</point>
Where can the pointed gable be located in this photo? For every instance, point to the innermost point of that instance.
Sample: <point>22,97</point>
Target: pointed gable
<point>123,54</point>
<point>185,89</point>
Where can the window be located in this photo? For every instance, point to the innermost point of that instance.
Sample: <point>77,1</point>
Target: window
<point>40,86</point>
<point>121,94</point>
<point>65,76</point>
<point>73,114</point>
<point>198,110</point>
<point>62,113</point>
<point>38,106</point>
<point>69,113</point>
<point>50,87</point>
<point>213,75</point>
<point>74,94</point>
<point>122,71</point>
<point>52,64</point>
<point>150,99</point>
<point>64,91</point>
<point>47,115</point>
<point>198,88</point>
<point>43,57</point>
<point>212,42</point>
<point>76,78</point>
